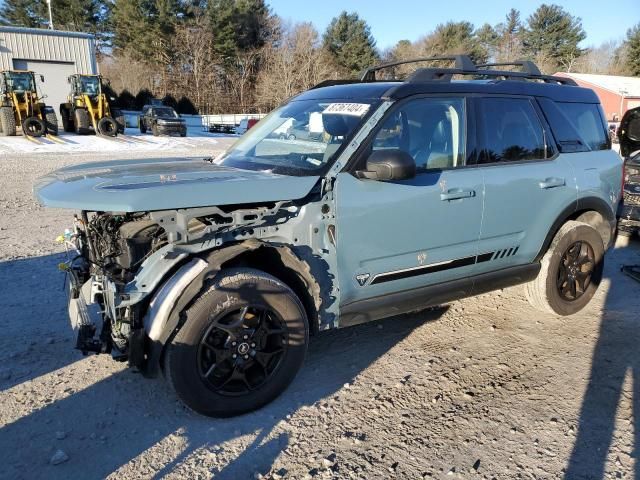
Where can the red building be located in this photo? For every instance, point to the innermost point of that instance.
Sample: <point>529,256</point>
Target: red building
<point>617,94</point>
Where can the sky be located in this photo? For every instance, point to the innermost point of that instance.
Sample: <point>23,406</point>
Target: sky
<point>394,20</point>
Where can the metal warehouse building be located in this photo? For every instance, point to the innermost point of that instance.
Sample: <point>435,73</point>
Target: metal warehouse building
<point>52,53</point>
<point>617,94</point>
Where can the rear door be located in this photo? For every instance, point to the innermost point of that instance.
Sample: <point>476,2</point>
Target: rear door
<point>527,184</point>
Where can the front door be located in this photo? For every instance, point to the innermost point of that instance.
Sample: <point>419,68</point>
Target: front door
<point>402,236</point>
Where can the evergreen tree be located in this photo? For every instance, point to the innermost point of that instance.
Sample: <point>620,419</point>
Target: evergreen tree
<point>553,34</point>
<point>23,13</point>
<point>458,37</point>
<point>348,39</point>
<point>509,42</point>
<point>239,26</point>
<point>632,51</point>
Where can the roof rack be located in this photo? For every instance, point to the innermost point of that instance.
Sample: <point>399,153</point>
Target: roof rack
<point>462,62</point>
<point>463,65</point>
<point>527,66</point>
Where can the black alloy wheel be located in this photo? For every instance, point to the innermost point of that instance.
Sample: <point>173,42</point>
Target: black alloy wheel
<point>241,350</point>
<point>575,271</point>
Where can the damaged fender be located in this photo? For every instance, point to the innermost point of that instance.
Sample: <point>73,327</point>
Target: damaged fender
<point>164,317</point>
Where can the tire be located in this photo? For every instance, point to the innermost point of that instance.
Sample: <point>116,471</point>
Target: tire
<point>7,122</point>
<point>52,123</point>
<point>81,121</point>
<point>291,136</point>
<point>67,121</point>
<point>33,127</point>
<point>143,127</point>
<point>548,292</point>
<point>154,130</point>
<point>108,127</point>
<point>187,361</point>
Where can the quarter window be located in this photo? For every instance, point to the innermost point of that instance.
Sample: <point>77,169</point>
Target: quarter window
<point>431,130</point>
<point>586,119</point>
<point>512,131</point>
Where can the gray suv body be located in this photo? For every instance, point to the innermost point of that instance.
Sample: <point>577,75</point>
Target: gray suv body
<point>418,192</point>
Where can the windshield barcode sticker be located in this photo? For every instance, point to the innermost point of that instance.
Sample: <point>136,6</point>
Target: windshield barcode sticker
<point>355,109</point>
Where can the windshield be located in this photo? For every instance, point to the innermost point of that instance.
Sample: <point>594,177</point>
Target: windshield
<point>300,138</point>
<point>90,85</point>
<point>164,112</point>
<point>20,82</point>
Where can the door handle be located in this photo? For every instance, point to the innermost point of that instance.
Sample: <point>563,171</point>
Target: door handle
<point>552,183</point>
<point>457,194</point>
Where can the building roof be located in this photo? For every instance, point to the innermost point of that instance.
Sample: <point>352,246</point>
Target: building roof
<point>44,31</point>
<point>625,86</point>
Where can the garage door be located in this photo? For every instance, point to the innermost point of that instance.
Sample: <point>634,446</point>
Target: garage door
<point>55,86</point>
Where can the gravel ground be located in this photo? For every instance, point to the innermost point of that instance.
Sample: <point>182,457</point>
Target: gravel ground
<point>482,388</point>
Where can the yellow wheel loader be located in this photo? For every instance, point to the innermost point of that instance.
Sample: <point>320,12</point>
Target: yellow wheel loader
<point>87,109</point>
<point>22,107</point>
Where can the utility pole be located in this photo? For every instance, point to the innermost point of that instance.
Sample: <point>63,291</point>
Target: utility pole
<point>50,15</point>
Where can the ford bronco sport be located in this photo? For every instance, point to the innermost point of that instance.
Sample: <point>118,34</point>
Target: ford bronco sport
<point>453,182</point>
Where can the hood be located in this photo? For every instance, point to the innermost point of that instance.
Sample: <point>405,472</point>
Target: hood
<point>163,184</point>
<point>170,119</point>
<point>629,132</point>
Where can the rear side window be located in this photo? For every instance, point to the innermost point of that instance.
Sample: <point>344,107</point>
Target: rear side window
<point>577,127</point>
<point>511,131</point>
<point>586,119</point>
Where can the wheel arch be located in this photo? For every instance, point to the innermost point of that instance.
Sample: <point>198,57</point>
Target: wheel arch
<point>593,211</point>
<point>277,260</point>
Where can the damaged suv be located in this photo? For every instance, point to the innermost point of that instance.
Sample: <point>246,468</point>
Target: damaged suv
<point>453,182</point>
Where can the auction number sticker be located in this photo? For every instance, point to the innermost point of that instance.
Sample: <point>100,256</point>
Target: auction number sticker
<point>355,109</point>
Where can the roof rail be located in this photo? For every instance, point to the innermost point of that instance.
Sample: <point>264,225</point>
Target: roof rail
<point>462,62</point>
<point>527,66</point>
<point>462,66</point>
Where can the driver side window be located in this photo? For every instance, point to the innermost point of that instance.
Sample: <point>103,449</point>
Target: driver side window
<point>431,130</point>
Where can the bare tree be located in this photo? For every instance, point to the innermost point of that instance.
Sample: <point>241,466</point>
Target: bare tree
<point>294,64</point>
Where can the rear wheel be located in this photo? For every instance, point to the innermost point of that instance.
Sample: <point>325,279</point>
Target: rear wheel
<point>107,126</point>
<point>52,123</point>
<point>67,121</point>
<point>143,127</point>
<point>81,121</point>
<point>7,121</point>
<point>33,127</point>
<point>243,341</point>
<point>118,116</point>
<point>570,272</point>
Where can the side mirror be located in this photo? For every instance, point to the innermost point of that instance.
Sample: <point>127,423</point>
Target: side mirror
<point>387,165</point>
<point>42,78</point>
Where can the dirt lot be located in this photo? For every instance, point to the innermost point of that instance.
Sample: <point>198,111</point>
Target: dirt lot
<point>482,388</point>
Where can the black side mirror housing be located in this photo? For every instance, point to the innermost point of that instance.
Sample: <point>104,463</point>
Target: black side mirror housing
<point>385,165</point>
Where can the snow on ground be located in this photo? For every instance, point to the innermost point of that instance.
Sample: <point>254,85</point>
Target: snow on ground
<point>131,141</point>
<point>482,388</point>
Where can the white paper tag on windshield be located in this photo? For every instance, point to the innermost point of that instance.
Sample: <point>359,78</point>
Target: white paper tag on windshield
<point>355,109</point>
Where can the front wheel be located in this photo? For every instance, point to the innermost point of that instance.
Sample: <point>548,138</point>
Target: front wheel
<point>570,272</point>
<point>243,341</point>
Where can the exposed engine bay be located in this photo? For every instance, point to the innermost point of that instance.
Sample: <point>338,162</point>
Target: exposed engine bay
<point>110,249</point>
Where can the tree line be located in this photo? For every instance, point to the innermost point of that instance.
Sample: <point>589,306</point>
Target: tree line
<point>239,56</point>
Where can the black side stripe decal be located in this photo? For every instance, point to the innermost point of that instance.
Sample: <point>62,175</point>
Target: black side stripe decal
<point>414,272</point>
<point>439,267</point>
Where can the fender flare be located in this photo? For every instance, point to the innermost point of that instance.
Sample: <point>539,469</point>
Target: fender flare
<point>580,205</point>
<point>163,317</point>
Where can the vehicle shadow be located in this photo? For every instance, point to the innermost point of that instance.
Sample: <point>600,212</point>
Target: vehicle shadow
<point>124,418</point>
<point>36,338</point>
<point>615,355</point>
